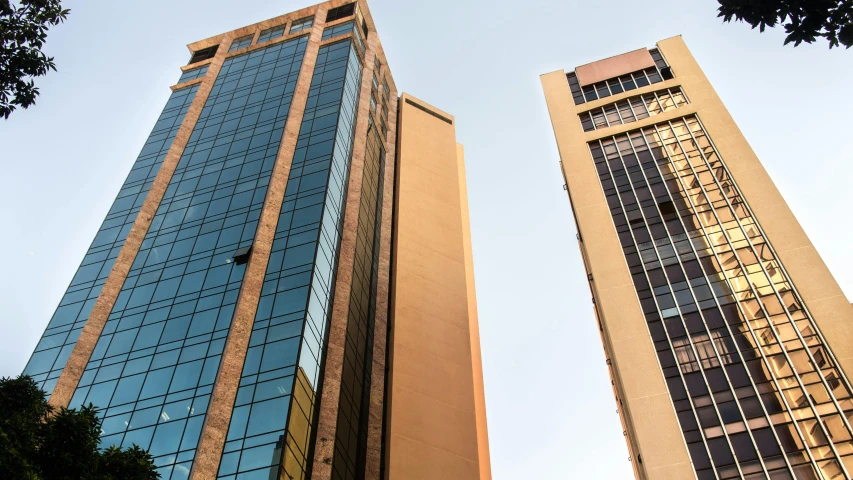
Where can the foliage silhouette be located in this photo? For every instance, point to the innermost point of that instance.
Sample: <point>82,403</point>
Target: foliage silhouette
<point>804,20</point>
<point>38,442</point>
<point>23,31</point>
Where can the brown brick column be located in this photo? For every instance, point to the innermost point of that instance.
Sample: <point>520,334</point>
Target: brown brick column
<point>70,376</point>
<point>324,447</point>
<point>218,417</point>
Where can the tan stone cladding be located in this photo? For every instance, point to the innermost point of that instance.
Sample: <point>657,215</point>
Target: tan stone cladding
<point>375,424</point>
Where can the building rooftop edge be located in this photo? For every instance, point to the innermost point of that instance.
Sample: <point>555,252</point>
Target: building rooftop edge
<point>618,54</point>
<point>405,95</point>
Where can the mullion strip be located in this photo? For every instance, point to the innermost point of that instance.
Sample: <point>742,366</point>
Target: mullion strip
<point>663,324</point>
<point>672,294</point>
<point>701,314</point>
<point>740,309</point>
<point>757,297</point>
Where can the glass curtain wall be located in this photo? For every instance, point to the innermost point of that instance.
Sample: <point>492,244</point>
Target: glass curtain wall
<point>60,336</point>
<point>351,430</point>
<point>757,393</point>
<point>270,433</point>
<point>153,368</point>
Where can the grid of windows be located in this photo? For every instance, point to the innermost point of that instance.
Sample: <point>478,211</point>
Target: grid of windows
<point>343,29</point>
<point>241,42</point>
<point>193,74</point>
<point>756,391</point>
<point>152,370</point>
<point>61,334</point>
<point>271,33</point>
<point>301,24</point>
<point>282,367</point>
<point>633,109</point>
<point>351,430</point>
<point>613,86</point>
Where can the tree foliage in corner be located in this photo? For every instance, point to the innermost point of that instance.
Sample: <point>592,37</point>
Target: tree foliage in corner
<point>40,443</point>
<point>23,31</point>
<point>804,20</point>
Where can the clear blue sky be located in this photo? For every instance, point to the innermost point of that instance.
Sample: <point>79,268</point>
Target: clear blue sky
<point>550,408</point>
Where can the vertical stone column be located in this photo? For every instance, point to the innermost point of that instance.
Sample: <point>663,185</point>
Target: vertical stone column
<point>324,447</point>
<point>376,422</point>
<point>215,428</point>
<point>70,377</point>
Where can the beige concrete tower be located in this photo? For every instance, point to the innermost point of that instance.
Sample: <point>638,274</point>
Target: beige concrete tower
<point>233,313</point>
<point>729,343</point>
<point>437,423</point>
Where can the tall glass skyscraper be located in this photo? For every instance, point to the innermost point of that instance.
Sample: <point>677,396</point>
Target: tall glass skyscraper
<point>263,295</point>
<point>728,341</point>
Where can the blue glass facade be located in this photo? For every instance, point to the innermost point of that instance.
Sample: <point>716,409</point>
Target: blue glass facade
<point>193,74</point>
<point>152,371</point>
<point>271,33</point>
<point>343,29</point>
<point>271,423</point>
<point>61,335</point>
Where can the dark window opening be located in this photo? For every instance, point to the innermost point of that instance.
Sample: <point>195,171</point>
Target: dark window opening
<point>338,13</point>
<point>666,208</point>
<point>666,73</point>
<point>364,27</point>
<point>241,256</point>
<point>203,54</point>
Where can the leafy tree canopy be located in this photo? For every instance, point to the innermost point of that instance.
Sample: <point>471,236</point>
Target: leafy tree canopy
<point>804,20</point>
<point>23,31</point>
<point>38,442</point>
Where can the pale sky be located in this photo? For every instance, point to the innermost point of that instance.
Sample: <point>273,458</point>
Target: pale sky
<point>550,407</point>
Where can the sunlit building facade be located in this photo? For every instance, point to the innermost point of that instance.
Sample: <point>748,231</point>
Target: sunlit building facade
<point>728,341</point>
<point>254,305</point>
